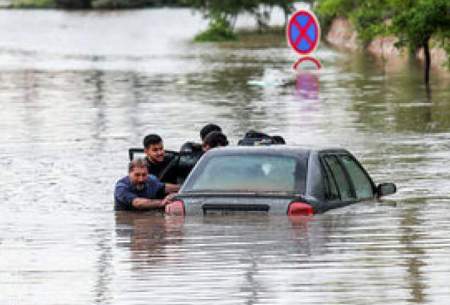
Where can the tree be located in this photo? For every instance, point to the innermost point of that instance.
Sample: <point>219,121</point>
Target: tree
<point>417,21</point>
<point>262,9</point>
<point>222,14</point>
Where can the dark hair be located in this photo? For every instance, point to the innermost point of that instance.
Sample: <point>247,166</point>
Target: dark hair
<point>208,129</point>
<point>151,139</point>
<point>215,139</point>
<point>139,163</point>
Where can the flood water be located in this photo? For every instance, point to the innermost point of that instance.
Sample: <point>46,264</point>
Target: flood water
<point>77,89</point>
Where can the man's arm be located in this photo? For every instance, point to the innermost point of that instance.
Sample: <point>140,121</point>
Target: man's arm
<point>123,197</point>
<point>171,188</point>
<point>130,200</point>
<point>145,204</point>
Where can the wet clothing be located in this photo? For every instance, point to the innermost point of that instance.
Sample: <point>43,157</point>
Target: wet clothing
<point>125,192</point>
<point>166,170</point>
<point>187,162</point>
<point>191,147</point>
<point>176,166</point>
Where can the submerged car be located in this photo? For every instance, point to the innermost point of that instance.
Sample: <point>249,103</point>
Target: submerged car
<point>278,180</point>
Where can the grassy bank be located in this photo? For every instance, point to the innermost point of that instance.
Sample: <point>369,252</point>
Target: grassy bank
<point>219,29</point>
<point>254,38</point>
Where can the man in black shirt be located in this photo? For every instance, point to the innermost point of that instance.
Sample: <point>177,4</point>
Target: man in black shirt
<point>160,164</point>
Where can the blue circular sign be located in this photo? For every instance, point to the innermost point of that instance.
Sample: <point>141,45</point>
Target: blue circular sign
<point>303,32</point>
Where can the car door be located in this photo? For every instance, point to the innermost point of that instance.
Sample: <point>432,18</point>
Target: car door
<point>345,180</point>
<point>360,180</point>
<point>338,185</point>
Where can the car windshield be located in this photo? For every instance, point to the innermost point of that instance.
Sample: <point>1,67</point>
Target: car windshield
<point>251,173</point>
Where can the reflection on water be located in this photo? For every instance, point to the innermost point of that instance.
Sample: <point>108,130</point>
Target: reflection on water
<point>148,235</point>
<point>307,85</point>
<point>328,258</point>
<point>79,88</point>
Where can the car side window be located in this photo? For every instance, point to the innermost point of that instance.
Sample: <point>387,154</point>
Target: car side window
<point>330,184</point>
<point>361,182</point>
<point>343,184</point>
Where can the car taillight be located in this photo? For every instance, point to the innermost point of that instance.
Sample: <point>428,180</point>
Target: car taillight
<point>175,208</point>
<point>298,208</point>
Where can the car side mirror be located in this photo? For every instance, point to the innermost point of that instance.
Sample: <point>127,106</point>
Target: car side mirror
<point>384,189</point>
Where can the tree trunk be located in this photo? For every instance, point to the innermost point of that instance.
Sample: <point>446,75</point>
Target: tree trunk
<point>426,52</point>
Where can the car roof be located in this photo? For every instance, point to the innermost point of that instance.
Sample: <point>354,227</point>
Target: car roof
<point>286,150</point>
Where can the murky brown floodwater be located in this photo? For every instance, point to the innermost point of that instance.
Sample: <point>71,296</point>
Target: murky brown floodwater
<point>78,88</point>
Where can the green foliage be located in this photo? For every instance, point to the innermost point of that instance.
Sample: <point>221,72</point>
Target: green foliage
<point>412,21</point>
<point>96,4</point>
<point>368,16</point>
<point>117,4</point>
<point>370,20</point>
<point>124,4</point>
<point>219,9</point>
<point>335,8</point>
<point>415,25</point>
<point>219,29</point>
<point>223,14</point>
<point>33,4</point>
<point>327,10</point>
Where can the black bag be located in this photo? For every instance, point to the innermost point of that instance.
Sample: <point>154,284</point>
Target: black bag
<point>253,138</point>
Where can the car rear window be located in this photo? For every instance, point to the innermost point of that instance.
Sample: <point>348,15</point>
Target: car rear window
<point>254,173</point>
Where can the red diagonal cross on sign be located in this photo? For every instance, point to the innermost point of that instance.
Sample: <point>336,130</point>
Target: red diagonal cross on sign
<point>303,31</point>
<point>305,38</point>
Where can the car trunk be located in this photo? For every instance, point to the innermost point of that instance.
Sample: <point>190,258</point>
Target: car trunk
<point>206,204</point>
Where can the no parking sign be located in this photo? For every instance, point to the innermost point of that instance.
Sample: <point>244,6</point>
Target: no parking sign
<point>303,35</point>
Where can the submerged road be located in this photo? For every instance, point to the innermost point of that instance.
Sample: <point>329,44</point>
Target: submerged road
<point>78,89</point>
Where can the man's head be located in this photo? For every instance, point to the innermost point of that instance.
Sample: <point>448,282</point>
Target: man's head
<point>214,139</point>
<point>208,129</point>
<point>138,173</point>
<point>154,148</point>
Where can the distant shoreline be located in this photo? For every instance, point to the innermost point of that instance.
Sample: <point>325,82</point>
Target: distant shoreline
<point>87,5</point>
